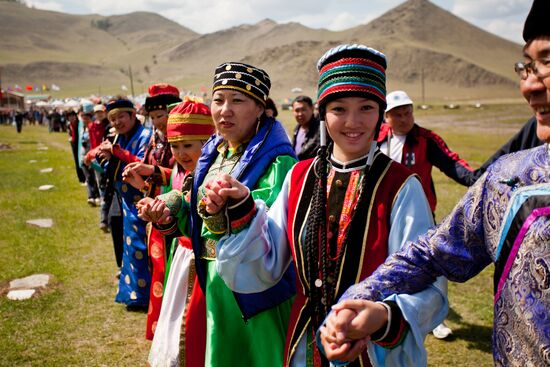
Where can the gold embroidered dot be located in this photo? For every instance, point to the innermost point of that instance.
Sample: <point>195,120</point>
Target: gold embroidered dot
<point>238,76</point>
<point>156,252</point>
<point>248,87</point>
<point>139,255</point>
<point>339,183</point>
<point>137,198</point>
<point>257,82</point>
<point>132,266</point>
<point>331,218</point>
<point>124,187</point>
<point>224,82</point>
<point>127,279</point>
<point>142,283</point>
<point>228,67</point>
<point>158,289</point>
<point>133,295</point>
<point>249,70</point>
<point>128,241</point>
<point>135,227</point>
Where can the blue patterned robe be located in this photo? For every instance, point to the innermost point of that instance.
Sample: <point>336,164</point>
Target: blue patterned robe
<point>505,219</point>
<point>135,278</point>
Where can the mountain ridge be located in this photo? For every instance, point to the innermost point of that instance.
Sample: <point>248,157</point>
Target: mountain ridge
<point>420,39</point>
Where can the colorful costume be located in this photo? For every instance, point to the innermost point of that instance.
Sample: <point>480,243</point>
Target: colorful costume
<point>135,278</point>
<point>180,335</point>
<point>253,259</point>
<point>258,340</point>
<point>241,329</point>
<point>502,219</point>
<point>338,236</point>
<point>159,155</point>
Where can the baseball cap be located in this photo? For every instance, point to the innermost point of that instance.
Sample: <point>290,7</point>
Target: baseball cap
<point>397,98</point>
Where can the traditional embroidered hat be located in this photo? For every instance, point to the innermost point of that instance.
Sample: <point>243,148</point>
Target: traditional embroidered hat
<point>189,120</point>
<point>352,70</point>
<point>245,78</point>
<point>119,105</point>
<point>537,22</point>
<point>160,96</point>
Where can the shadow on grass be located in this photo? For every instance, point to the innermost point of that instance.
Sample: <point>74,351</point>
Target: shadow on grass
<point>477,336</point>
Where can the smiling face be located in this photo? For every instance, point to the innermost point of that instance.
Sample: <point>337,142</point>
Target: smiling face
<point>235,116</point>
<point>351,123</point>
<point>187,153</point>
<point>159,118</point>
<point>123,121</point>
<point>537,90</point>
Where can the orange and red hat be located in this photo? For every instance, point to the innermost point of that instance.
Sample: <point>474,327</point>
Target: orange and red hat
<point>190,120</point>
<point>160,96</point>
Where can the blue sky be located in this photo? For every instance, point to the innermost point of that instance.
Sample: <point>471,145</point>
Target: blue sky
<point>502,17</point>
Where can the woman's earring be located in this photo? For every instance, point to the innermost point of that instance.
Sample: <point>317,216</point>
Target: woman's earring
<point>258,124</point>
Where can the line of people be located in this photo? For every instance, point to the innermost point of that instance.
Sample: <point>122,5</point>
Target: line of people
<point>249,249</point>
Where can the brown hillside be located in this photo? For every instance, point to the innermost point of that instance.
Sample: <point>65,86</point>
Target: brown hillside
<point>458,59</point>
<point>421,24</point>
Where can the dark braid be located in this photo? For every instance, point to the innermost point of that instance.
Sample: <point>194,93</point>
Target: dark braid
<point>316,239</point>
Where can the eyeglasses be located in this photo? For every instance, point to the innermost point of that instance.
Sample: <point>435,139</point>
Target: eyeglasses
<point>539,67</point>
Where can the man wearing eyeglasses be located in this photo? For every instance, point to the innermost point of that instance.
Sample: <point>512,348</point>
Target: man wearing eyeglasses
<point>504,219</point>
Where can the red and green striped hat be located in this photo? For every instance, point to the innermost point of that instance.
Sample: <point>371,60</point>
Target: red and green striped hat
<point>350,71</point>
<point>190,120</point>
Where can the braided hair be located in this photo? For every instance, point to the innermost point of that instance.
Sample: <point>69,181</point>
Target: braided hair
<point>316,241</point>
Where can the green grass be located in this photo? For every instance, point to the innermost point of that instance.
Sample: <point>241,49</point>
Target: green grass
<point>77,322</point>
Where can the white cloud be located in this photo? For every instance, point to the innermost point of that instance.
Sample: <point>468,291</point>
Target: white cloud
<point>491,9</point>
<point>506,29</point>
<point>207,16</point>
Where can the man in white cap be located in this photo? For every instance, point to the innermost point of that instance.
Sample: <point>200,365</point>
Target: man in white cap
<point>420,149</point>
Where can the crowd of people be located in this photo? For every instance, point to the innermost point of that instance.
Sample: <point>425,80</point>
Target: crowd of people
<point>250,246</point>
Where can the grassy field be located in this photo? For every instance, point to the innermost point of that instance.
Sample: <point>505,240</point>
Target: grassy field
<point>77,323</point>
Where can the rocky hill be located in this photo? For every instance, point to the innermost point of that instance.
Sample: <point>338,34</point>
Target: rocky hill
<point>88,52</point>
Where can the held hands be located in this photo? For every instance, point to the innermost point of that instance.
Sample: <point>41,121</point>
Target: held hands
<point>133,178</point>
<point>140,168</point>
<point>133,174</point>
<point>153,210</point>
<point>105,149</point>
<point>348,328</point>
<point>220,190</point>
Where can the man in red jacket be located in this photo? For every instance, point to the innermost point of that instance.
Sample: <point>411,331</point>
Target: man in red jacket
<point>420,149</point>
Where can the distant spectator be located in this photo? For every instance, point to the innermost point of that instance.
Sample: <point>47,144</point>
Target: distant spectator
<point>404,141</point>
<point>305,140</point>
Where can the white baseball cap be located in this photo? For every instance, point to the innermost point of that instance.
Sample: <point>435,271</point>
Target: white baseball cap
<point>397,99</point>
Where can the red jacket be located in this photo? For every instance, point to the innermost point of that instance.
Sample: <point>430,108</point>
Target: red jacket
<point>423,149</point>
